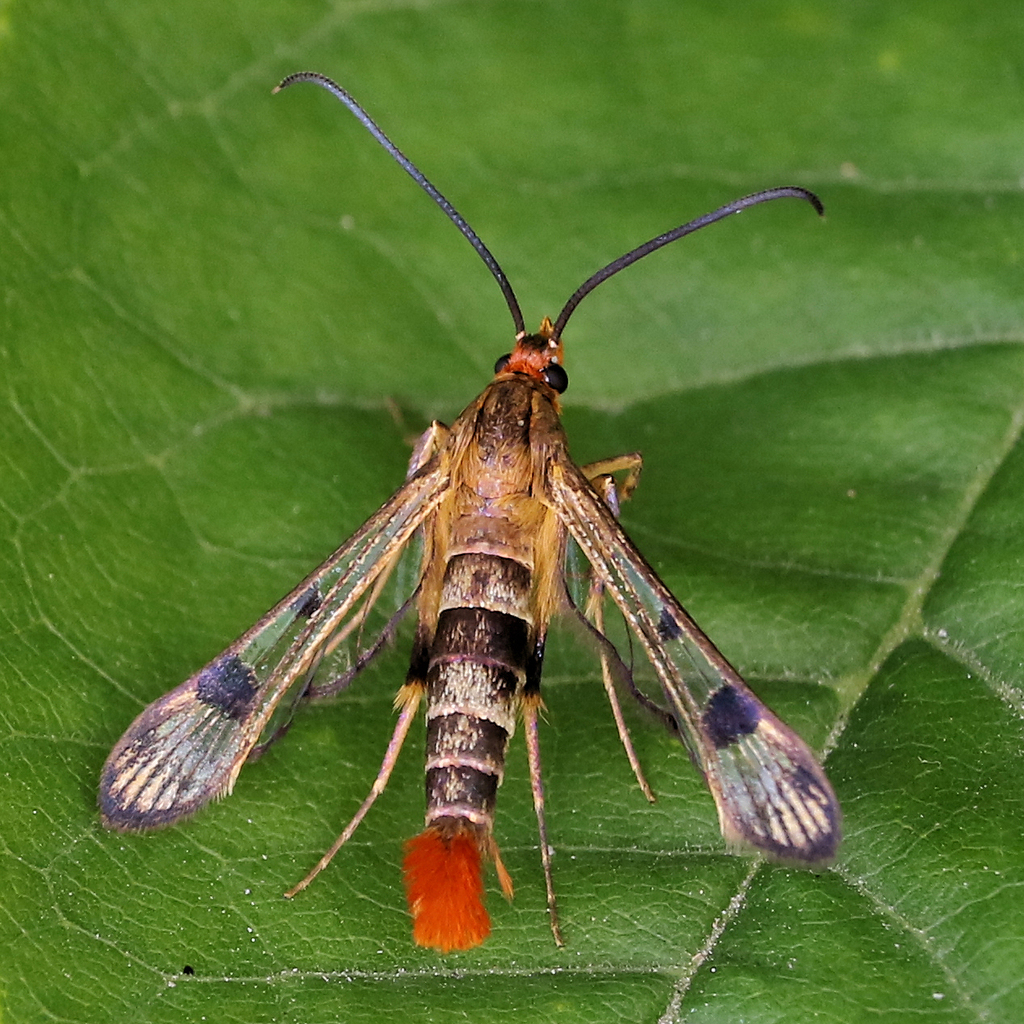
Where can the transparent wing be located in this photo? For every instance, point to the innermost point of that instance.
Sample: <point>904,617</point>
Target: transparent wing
<point>770,791</point>
<point>187,748</point>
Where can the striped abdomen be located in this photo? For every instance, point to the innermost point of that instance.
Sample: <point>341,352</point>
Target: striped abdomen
<point>475,680</point>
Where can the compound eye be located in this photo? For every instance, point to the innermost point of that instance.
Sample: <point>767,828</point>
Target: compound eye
<point>555,377</point>
<point>502,362</point>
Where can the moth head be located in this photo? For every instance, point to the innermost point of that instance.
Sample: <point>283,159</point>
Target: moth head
<point>537,355</point>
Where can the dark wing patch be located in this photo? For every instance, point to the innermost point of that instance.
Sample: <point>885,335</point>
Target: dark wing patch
<point>308,603</point>
<point>227,684</point>
<point>729,715</point>
<point>668,628</point>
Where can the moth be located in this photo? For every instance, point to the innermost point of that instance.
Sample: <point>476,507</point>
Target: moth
<point>496,501</point>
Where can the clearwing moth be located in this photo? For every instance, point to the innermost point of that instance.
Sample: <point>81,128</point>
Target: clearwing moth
<point>495,500</point>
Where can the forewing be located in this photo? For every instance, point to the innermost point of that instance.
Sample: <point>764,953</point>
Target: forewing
<point>187,748</point>
<point>770,791</point>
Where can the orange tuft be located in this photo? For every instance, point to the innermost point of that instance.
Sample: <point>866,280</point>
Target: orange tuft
<point>445,889</point>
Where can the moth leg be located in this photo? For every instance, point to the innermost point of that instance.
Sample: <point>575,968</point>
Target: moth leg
<point>531,706</point>
<point>261,748</point>
<point>604,484</point>
<point>631,464</point>
<point>333,686</point>
<point>337,684</point>
<point>408,699</point>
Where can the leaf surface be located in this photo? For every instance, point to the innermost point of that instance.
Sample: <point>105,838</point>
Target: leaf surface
<point>225,314</point>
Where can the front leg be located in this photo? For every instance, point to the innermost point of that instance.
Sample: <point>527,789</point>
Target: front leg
<point>631,464</point>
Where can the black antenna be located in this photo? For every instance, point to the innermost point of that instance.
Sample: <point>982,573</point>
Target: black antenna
<point>417,175</point>
<point>786,191</point>
<point>670,236</point>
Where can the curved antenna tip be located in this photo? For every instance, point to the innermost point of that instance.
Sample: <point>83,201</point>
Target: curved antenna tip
<point>736,206</point>
<point>813,199</point>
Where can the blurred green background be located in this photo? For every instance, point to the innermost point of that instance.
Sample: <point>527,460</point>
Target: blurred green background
<point>225,313</point>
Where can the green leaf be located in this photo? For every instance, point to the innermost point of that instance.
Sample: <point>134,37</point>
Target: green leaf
<point>226,312</point>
